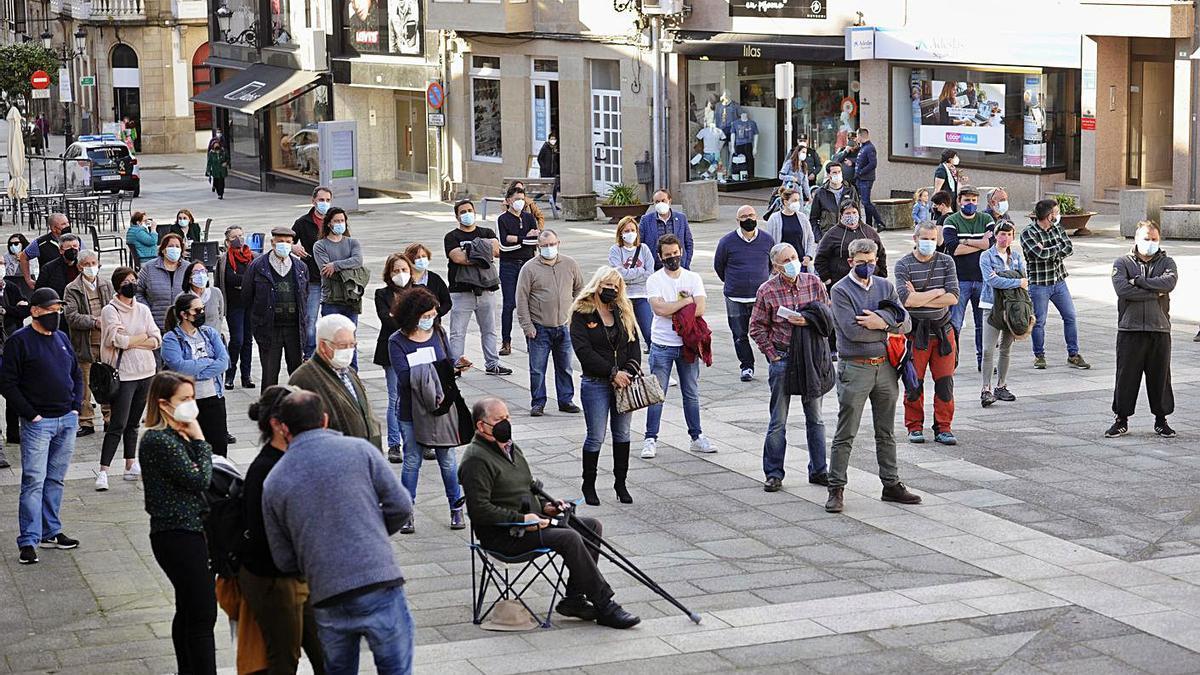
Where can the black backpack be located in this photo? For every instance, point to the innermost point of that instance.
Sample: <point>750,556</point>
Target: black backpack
<point>225,523</point>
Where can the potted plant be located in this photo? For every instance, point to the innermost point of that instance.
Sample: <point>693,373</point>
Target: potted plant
<point>623,200</point>
<point>1073,217</point>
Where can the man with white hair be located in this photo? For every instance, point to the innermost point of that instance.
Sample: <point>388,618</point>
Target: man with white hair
<point>329,374</point>
<point>546,287</point>
<point>997,205</point>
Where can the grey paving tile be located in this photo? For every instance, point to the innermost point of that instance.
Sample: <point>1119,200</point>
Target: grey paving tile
<point>1149,653</point>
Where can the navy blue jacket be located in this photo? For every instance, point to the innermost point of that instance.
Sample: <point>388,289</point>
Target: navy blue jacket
<point>39,374</point>
<point>258,295</point>
<point>864,164</point>
<point>678,225</point>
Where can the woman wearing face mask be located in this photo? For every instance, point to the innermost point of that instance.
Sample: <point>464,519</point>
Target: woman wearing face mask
<point>790,225</point>
<point>160,279</point>
<point>84,299</point>
<point>186,226</point>
<point>420,257</point>
<point>194,348</point>
<point>633,260</point>
<point>548,164</point>
<point>198,282</point>
<point>606,344</point>
<point>945,177</point>
<point>178,471</point>
<point>994,263</point>
<point>417,330</point>
<point>834,249</point>
<point>794,175</point>
<point>128,338</point>
<point>397,276</point>
<point>230,278</point>
<point>141,238</point>
<point>12,264</point>
<point>217,166</point>
<point>340,260</point>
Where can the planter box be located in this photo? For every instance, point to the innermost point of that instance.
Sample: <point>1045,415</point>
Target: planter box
<point>1077,222</point>
<point>616,213</point>
<point>1181,221</point>
<point>578,207</point>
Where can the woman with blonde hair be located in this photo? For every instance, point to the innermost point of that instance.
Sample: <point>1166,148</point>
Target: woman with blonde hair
<point>635,263</point>
<point>604,336</point>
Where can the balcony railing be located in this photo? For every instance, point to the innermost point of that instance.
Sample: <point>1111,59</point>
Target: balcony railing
<point>118,10</point>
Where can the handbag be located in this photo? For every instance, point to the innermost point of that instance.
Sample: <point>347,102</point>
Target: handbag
<point>105,380</point>
<point>642,392</point>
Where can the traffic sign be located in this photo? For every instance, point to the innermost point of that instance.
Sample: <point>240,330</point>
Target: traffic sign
<point>41,93</point>
<point>435,119</point>
<point>40,79</point>
<point>87,81</point>
<point>435,96</point>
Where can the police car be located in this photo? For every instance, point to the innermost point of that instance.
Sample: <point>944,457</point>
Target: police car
<point>101,163</point>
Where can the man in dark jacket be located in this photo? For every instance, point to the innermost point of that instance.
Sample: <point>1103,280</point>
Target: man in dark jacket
<point>329,374</point>
<point>274,293</point>
<point>787,291</point>
<point>44,248</point>
<point>864,174</point>
<point>1143,280</point>
<point>307,230</point>
<point>63,269</point>
<point>827,199</point>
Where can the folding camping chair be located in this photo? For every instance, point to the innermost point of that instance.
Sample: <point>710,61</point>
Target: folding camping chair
<point>497,570</point>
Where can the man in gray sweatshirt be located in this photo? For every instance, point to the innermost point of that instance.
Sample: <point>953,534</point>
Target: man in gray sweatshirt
<point>864,371</point>
<point>329,507</point>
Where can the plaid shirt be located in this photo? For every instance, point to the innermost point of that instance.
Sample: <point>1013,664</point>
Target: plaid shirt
<point>1044,252</point>
<point>768,329</point>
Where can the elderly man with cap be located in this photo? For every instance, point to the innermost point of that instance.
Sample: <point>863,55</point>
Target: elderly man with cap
<point>41,379</point>
<point>274,294</point>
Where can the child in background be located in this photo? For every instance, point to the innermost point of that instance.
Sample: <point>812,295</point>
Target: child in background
<point>922,210</point>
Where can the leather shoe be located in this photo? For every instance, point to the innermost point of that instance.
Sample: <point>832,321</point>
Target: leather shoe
<point>569,408</point>
<point>614,616</point>
<point>84,431</point>
<point>506,349</point>
<point>835,502</point>
<point>899,493</point>
<point>537,411</point>
<point>577,607</point>
<point>819,479</point>
<point>773,484</point>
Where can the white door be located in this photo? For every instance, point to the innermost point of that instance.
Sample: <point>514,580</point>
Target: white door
<point>606,139</point>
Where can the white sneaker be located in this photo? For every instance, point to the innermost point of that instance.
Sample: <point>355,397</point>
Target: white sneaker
<point>649,448</point>
<point>102,481</point>
<point>702,444</point>
<point>133,472</point>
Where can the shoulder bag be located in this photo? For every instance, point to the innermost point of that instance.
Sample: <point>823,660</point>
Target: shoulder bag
<point>105,380</point>
<point>643,391</point>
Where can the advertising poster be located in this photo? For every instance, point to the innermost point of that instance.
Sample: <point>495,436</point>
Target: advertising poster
<point>962,115</point>
<point>384,26</point>
<point>1033,151</point>
<point>779,9</point>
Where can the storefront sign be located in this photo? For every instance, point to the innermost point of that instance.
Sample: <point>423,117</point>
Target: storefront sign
<point>383,26</point>
<point>339,160</point>
<point>860,43</point>
<point>1047,50</point>
<point>87,81</point>
<point>787,9</point>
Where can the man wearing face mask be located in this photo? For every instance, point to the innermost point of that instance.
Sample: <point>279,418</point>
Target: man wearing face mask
<point>664,220</point>
<point>928,286</point>
<point>827,199</point>
<point>864,175</point>
<point>40,378</point>
<point>496,481</point>
<point>468,298</point>
<point>518,243</point>
<point>966,234</point>
<point>62,270</point>
<point>307,231</point>
<point>545,290</point>
<point>45,248</point>
<point>997,200</point>
<point>329,374</point>
<point>85,298</point>
<point>1143,280</point>
<point>743,263</point>
<point>1046,247</point>
<point>274,292</point>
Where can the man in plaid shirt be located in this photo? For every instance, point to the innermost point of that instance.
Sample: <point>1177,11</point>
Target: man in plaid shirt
<point>1046,245</point>
<point>790,288</point>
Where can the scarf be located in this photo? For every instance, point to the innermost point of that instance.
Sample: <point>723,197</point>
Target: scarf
<point>240,256</point>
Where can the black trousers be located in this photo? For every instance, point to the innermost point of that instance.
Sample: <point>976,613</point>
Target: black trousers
<point>183,556</point>
<point>218,186</point>
<point>1143,353</point>
<point>283,342</point>
<point>582,560</point>
<point>212,422</point>
<point>124,420</point>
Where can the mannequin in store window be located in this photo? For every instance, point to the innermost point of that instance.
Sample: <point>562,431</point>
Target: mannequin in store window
<point>727,111</point>
<point>744,135</point>
<point>713,144</point>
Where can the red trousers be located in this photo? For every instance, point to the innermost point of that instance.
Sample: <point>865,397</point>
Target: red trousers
<point>942,368</point>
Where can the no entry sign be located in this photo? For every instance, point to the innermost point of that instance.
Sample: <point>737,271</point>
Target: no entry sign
<point>435,96</point>
<point>40,79</point>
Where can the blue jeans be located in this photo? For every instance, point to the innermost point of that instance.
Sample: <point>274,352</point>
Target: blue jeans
<point>556,341</point>
<point>326,310</point>
<point>775,447</point>
<point>870,215</point>
<point>46,449</point>
<point>312,309</point>
<point>382,617</point>
<point>1060,295</point>
<point>509,271</point>
<point>644,316</point>
<point>738,314</point>
<point>661,360</point>
<point>241,342</point>
<point>972,292</point>
<point>394,435</point>
<point>411,471</point>
<point>600,407</point>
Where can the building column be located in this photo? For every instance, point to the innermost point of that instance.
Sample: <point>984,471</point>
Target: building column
<point>1183,164</point>
<point>1088,188</point>
<point>574,140</point>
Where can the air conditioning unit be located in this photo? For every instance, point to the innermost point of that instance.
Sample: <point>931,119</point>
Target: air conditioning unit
<point>662,7</point>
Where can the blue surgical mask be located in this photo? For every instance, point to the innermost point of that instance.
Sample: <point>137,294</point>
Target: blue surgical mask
<point>173,253</point>
<point>282,249</point>
<point>926,246</point>
<point>467,219</point>
<point>425,323</point>
<point>792,269</point>
<point>338,228</point>
<point>200,279</point>
<point>549,252</point>
<point>323,207</point>
<point>968,209</point>
<point>421,263</point>
<point>184,222</point>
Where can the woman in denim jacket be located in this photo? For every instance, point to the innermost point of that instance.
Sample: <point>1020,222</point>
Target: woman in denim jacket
<point>1001,257</point>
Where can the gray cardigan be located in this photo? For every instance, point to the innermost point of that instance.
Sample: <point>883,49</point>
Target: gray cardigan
<point>774,227</point>
<point>431,430</point>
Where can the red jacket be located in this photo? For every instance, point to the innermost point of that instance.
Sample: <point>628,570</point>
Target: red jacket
<point>697,338</point>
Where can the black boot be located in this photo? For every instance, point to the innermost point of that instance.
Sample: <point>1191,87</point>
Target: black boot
<point>620,469</point>
<point>590,459</point>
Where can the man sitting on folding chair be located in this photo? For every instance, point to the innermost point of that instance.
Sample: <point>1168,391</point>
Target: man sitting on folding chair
<point>498,486</point>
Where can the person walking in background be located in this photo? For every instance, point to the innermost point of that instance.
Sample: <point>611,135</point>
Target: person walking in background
<point>216,166</point>
<point>40,378</point>
<point>84,300</point>
<point>605,341</point>
<point>1143,280</point>
<point>467,297</point>
<point>43,126</point>
<point>518,244</point>
<point>790,225</point>
<point>12,261</point>
<point>1046,247</point>
<point>177,473</point>
<point>635,262</point>
<point>307,230</point>
<point>128,340</point>
<point>419,256</point>
<point>966,234</point>
<point>397,276</point>
<point>545,289</point>
<point>141,238</point>
<point>792,174</point>
<point>548,165</point>
<point>193,348</point>
<point>329,374</point>
<point>663,221</point>
<point>274,292</point>
<point>864,175</point>
<point>231,279</point>
<point>743,263</point>
<point>62,270</point>
<point>996,265</point>
<point>160,279</point>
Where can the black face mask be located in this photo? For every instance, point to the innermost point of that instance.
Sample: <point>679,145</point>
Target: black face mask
<point>65,230</point>
<point>607,295</point>
<point>502,431</point>
<point>672,263</point>
<point>70,255</point>
<point>48,321</point>
<point>198,319</point>
<point>128,290</point>
<point>748,224</point>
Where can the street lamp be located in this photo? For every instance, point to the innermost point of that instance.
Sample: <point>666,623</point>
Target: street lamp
<point>65,56</point>
<point>224,20</point>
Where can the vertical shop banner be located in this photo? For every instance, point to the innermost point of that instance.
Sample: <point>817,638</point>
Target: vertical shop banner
<point>1033,150</point>
<point>786,9</point>
<point>962,115</point>
<point>916,88</point>
<point>383,27</point>
<point>339,160</point>
<point>64,86</point>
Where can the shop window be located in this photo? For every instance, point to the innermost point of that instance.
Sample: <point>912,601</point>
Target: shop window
<point>382,27</point>
<point>1000,119</point>
<point>281,22</point>
<point>293,133</point>
<point>243,144</point>
<point>485,109</point>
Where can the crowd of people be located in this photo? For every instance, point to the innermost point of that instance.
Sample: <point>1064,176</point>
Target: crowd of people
<point>166,339</point>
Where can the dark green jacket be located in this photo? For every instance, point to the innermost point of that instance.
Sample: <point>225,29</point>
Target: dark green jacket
<point>350,415</point>
<point>175,474</point>
<point>218,163</point>
<point>497,489</point>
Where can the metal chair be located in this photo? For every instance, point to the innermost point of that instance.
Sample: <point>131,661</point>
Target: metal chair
<point>117,246</point>
<point>496,570</point>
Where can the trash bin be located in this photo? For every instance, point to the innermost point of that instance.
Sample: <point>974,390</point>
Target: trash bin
<point>645,173</point>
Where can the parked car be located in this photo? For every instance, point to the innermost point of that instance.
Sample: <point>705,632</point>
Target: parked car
<point>303,151</point>
<point>102,163</point>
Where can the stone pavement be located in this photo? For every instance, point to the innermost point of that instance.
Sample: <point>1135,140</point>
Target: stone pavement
<point>1041,546</point>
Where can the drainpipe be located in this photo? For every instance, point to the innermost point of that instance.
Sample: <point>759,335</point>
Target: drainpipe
<point>1194,136</point>
<point>657,121</point>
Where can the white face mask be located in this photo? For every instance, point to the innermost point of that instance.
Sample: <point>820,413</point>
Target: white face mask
<point>342,358</point>
<point>90,272</point>
<point>629,237</point>
<point>1002,207</point>
<point>401,279</point>
<point>186,412</point>
<point>1147,247</point>
<point>549,252</point>
<point>835,179</point>
<point>663,208</point>
<point>518,205</point>
<point>794,205</point>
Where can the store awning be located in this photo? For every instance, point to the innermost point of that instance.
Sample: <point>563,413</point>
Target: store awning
<point>760,46</point>
<point>256,88</point>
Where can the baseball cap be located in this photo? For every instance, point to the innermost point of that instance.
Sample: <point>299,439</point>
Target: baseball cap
<point>46,298</point>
